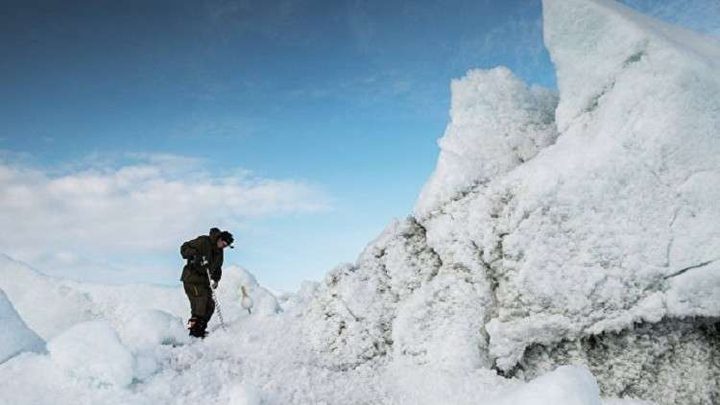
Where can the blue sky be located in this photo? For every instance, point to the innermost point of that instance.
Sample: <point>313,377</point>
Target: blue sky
<point>326,112</point>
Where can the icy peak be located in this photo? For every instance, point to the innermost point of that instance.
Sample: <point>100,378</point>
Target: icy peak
<point>604,53</point>
<point>497,122</point>
<point>595,43</point>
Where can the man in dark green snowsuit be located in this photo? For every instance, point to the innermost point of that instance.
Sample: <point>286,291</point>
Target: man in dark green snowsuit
<point>204,256</point>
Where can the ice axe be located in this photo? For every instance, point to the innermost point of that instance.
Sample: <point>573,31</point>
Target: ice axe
<point>247,302</point>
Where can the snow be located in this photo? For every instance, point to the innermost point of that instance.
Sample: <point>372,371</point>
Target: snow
<point>566,244</point>
<point>595,227</point>
<point>151,327</point>
<point>125,306</point>
<point>244,395</point>
<point>496,123</point>
<point>27,289</point>
<point>15,336</point>
<point>566,385</point>
<point>695,292</point>
<point>262,358</point>
<point>92,352</point>
<point>592,233</point>
<point>556,230</point>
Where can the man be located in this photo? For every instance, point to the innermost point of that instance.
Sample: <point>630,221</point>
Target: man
<point>204,256</point>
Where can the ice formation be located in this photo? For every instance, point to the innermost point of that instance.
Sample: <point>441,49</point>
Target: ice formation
<point>15,336</point>
<point>595,229</point>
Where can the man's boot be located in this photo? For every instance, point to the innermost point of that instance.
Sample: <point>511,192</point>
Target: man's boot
<point>197,327</point>
<point>194,326</point>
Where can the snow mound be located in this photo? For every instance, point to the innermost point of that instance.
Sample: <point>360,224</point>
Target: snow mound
<point>51,306</point>
<point>15,336</point>
<point>149,328</point>
<point>47,306</point>
<point>567,385</point>
<point>92,353</point>
<point>229,293</point>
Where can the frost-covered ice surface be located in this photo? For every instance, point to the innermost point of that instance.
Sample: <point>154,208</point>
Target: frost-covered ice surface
<point>543,240</point>
<point>15,336</point>
<point>579,229</point>
<point>496,123</point>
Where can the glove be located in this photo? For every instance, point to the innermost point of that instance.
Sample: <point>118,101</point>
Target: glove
<point>214,284</point>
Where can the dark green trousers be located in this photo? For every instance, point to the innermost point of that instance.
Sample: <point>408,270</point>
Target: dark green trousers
<point>202,305</point>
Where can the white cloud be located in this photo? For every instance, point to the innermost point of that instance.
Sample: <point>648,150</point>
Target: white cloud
<point>138,209</point>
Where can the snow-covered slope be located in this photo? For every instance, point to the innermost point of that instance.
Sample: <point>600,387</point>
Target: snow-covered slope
<point>50,306</point>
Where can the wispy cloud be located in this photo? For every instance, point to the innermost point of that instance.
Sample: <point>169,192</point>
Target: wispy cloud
<point>142,208</point>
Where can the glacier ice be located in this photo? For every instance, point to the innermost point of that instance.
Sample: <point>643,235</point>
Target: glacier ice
<point>598,221</point>
<point>15,336</point>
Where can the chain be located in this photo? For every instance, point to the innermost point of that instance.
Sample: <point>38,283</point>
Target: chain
<point>217,303</point>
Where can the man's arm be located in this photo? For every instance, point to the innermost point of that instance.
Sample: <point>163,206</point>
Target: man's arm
<point>216,271</point>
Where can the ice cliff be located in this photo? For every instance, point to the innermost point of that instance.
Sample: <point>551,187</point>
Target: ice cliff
<point>582,228</point>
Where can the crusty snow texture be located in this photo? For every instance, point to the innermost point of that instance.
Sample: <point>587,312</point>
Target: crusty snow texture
<point>534,230</point>
<point>496,124</point>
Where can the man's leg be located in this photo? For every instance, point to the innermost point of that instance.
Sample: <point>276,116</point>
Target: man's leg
<point>198,295</point>
<point>209,308</point>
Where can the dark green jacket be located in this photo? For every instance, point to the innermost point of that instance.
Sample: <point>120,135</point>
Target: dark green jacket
<point>202,246</point>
